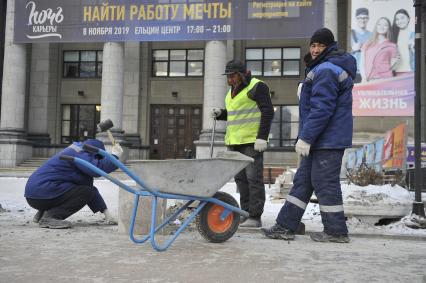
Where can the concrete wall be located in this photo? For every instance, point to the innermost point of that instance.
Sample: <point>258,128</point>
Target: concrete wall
<point>67,89</point>
<point>159,90</point>
<point>284,88</point>
<point>190,90</point>
<point>14,153</point>
<point>367,129</point>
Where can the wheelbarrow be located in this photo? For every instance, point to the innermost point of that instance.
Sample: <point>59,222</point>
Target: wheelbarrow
<point>217,213</point>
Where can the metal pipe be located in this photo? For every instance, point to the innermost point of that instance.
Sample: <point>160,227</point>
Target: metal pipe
<point>418,206</point>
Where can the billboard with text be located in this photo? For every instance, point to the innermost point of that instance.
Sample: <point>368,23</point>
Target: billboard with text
<point>164,20</point>
<point>382,42</point>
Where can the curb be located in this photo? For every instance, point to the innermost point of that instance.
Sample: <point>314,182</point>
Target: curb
<point>353,235</point>
<point>389,236</point>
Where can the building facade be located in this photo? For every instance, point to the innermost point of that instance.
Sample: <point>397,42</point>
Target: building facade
<point>158,94</point>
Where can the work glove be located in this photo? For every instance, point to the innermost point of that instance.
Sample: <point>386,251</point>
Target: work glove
<point>302,147</point>
<point>216,112</point>
<point>109,219</point>
<point>117,150</point>
<point>299,90</point>
<point>260,145</point>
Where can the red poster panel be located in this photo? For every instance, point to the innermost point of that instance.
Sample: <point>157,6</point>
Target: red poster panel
<point>394,150</point>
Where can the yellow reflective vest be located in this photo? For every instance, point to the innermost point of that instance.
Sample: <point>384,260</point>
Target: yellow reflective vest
<point>243,117</point>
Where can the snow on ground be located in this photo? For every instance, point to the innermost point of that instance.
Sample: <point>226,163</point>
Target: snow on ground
<point>12,199</point>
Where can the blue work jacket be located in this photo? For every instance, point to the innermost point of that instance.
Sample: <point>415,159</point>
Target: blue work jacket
<point>56,176</point>
<point>325,106</point>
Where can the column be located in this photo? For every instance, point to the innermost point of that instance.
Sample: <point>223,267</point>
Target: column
<point>215,89</point>
<point>330,16</point>
<point>131,92</point>
<point>112,90</point>
<point>423,71</point>
<point>39,94</point>
<point>14,148</point>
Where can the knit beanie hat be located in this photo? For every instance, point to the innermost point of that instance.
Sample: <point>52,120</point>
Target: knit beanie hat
<point>235,66</point>
<point>323,36</point>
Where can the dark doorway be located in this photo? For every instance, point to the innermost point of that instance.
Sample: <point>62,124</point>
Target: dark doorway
<point>173,131</point>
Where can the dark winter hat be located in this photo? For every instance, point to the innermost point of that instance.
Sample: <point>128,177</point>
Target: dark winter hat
<point>324,36</point>
<point>95,143</point>
<point>361,11</point>
<point>235,66</point>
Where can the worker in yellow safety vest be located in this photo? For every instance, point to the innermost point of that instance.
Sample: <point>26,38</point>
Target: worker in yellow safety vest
<point>249,114</point>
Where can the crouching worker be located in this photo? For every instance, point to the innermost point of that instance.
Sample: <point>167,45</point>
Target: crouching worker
<point>60,188</point>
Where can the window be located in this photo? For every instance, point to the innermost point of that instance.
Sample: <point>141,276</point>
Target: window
<point>178,63</point>
<point>284,126</point>
<point>274,62</point>
<point>79,121</point>
<point>82,64</point>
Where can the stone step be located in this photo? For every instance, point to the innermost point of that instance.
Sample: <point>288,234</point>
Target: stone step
<point>33,162</point>
<point>30,164</point>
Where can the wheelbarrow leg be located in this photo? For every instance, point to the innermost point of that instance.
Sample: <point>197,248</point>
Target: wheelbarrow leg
<point>133,220</point>
<point>190,218</point>
<point>154,229</point>
<point>164,223</point>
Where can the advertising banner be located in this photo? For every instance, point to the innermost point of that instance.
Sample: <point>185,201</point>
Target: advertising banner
<point>382,42</point>
<point>164,20</point>
<point>411,158</point>
<point>378,146</point>
<point>395,148</point>
<point>371,154</point>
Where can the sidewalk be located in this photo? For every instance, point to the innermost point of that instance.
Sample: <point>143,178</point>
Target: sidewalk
<point>94,252</point>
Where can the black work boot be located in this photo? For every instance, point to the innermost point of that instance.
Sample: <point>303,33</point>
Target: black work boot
<point>38,216</point>
<point>50,222</point>
<point>252,222</point>
<point>243,219</point>
<point>324,237</point>
<point>278,232</point>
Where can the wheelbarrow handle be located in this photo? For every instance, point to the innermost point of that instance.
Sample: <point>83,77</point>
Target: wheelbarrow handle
<point>66,157</point>
<point>90,148</point>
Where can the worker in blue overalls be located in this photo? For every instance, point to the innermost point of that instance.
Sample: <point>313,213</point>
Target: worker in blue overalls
<point>60,188</point>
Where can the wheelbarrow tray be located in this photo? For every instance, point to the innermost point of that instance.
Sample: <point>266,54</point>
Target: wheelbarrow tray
<point>192,177</point>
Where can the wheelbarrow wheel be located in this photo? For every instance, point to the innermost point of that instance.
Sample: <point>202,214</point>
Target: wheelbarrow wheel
<point>209,224</point>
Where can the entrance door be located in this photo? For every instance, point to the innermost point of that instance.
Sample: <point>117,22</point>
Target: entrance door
<point>173,131</point>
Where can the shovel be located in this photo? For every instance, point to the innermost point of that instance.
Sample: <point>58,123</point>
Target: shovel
<point>212,142</point>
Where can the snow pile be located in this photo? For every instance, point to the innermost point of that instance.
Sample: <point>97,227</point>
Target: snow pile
<point>376,202</point>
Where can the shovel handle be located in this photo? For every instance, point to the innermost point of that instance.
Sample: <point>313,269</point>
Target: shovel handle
<point>111,138</point>
<point>212,142</point>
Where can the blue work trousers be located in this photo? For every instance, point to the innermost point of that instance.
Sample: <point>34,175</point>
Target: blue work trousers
<point>70,202</point>
<point>319,172</point>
